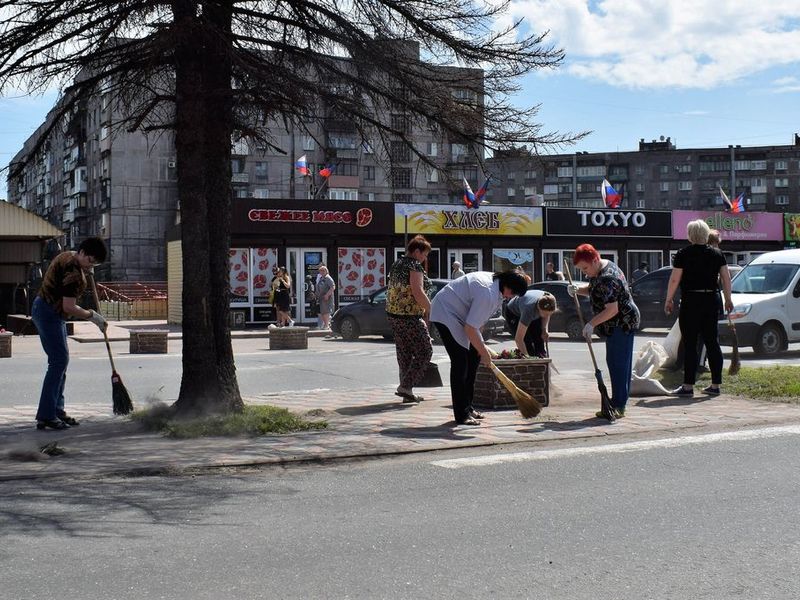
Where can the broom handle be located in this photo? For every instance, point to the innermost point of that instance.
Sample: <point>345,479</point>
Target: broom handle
<point>105,334</point>
<point>580,314</point>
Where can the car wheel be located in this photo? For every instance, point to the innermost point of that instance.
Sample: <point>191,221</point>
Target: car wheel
<point>574,330</point>
<point>349,329</point>
<point>769,339</point>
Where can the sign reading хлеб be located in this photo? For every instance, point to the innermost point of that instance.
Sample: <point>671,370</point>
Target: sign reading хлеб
<point>599,222</point>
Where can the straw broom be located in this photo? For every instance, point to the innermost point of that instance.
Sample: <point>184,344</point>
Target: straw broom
<point>119,393</point>
<point>527,404</point>
<point>733,368</point>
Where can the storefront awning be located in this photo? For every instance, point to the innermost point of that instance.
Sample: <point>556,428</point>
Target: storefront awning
<point>19,224</point>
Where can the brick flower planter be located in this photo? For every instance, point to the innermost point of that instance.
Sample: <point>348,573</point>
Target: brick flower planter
<point>288,338</point>
<point>529,374</point>
<point>148,342</point>
<point>5,344</point>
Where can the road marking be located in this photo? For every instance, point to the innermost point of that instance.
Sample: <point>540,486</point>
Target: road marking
<point>750,434</point>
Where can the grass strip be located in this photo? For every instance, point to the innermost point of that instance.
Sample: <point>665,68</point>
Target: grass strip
<point>779,383</point>
<point>253,421</point>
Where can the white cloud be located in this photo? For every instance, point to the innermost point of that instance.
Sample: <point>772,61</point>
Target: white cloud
<point>674,43</point>
<point>784,85</point>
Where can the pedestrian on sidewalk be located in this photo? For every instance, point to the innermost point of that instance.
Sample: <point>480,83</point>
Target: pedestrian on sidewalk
<point>528,317</point>
<point>324,290</point>
<point>699,269</point>
<point>282,298</point>
<point>459,311</point>
<point>407,310</point>
<point>616,318</point>
<point>456,270</point>
<point>63,284</point>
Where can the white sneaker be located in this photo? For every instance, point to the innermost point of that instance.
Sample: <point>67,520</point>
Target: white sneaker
<point>272,326</point>
<point>290,323</point>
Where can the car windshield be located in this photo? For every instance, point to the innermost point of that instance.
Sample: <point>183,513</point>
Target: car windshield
<point>763,279</point>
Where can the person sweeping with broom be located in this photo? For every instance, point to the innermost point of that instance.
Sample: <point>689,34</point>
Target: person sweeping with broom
<point>697,269</point>
<point>616,318</point>
<point>63,284</point>
<point>459,311</point>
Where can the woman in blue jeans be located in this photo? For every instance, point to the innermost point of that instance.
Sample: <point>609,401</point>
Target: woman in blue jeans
<point>62,285</point>
<point>616,317</point>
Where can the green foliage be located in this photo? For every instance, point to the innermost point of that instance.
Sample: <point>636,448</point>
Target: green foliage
<point>253,421</point>
<point>777,383</point>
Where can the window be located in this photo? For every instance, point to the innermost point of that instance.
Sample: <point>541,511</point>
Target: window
<point>564,188</point>
<point>432,149</point>
<point>341,140</point>
<point>684,168</point>
<point>664,169</point>
<point>457,150</point>
<point>530,174</point>
<point>511,192</point>
<point>343,194</point>
<point>597,171</point>
<point>781,182</point>
<point>685,202</point>
<point>400,152</point>
<point>741,165</point>
<point>465,95</point>
<point>369,173</point>
<point>431,175</point>
<point>639,187</point>
<point>366,147</point>
<point>550,188</point>
<point>685,186</point>
<point>262,193</point>
<point>781,165</point>
<point>640,203</point>
<point>308,143</point>
<point>237,165</point>
<point>241,193</point>
<point>530,190</point>
<point>639,170</point>
<point>105,131</point>
<point>664,186</point>
<point>401,178</point>
<point>511,176</point>
<point>621,172</point>
<point>565,171</point>
<point>781,200</point>
<point>261,171</point>
<point>758,165</point>
<point>401,123</point>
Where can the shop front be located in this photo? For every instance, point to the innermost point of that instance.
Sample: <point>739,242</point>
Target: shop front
<point>743,236</point>
<point>626,237</point>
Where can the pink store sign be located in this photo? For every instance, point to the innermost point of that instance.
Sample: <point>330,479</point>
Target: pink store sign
<point>749,226</point>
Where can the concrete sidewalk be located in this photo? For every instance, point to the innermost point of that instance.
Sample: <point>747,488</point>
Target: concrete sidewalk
<point>362,422</point>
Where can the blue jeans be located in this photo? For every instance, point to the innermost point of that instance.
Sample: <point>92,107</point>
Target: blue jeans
<point>619,359</point>
<point>53,335</point>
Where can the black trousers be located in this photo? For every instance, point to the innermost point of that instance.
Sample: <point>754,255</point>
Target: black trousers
<point>463,367</point>
<point>698,318</point>
<point>534,345</point>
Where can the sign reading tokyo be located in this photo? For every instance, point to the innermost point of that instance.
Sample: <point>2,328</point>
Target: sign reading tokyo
<point>452,219</point>
<point>608,223</point>
<point>743,226</point>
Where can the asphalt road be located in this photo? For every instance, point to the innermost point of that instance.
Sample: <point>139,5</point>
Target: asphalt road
<point>328,364</point>
<point>711,520</point>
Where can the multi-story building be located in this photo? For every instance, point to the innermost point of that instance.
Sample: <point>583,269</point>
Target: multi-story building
<point>90,178</point>
<point>658,176</point>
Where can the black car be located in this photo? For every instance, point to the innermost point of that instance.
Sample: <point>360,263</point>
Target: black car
<point>368,317</point>
<point>565,319</point>
<point>649,293</point>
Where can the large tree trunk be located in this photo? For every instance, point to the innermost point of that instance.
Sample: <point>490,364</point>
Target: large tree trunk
<point>203,145</point>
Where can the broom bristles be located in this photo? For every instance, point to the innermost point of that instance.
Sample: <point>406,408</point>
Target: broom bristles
<point>123,404</point>
<point>735,365</point>
<point>528,406</point>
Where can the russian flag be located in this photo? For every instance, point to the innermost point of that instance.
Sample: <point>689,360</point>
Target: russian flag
<point>301,164</point>
<point>469,196</point>
<point>737,206</point>
<point>610,196</point>
<point>481,193</point>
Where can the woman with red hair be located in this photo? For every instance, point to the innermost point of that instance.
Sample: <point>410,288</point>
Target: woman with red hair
<point>616,317</point>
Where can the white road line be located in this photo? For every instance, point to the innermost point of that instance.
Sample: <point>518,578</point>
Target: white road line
<point>749,434</point>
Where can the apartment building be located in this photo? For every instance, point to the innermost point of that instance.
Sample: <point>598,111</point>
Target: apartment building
<point>658,176</point>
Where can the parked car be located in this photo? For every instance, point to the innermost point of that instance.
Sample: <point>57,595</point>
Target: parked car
<point>565,319</point>
<point>766,303</point>
<point>368,317</point>
<point>650,291</point>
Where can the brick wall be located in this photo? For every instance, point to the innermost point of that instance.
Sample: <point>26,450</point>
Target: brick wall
<point>148,342</point>
<point>532,375</point>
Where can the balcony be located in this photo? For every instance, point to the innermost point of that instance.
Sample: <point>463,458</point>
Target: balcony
<point>68,216</point>
<point>240,178</point>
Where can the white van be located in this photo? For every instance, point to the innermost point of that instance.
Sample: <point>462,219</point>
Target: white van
<point>766,300</point>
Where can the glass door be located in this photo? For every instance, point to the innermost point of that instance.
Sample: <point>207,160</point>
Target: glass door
<point>303,265</point>
<point>471,260</point>
<point>432,264</point>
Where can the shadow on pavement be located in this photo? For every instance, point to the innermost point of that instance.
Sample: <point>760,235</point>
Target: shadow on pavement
<point>444,431</point>
<point>355,411</point>
<point>673,401</point>
<point>566,425</point>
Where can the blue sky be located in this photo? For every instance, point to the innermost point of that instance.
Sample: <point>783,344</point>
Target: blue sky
<point>703,72</point>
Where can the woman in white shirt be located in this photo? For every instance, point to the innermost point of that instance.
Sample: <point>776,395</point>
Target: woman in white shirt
<point>459,311</point>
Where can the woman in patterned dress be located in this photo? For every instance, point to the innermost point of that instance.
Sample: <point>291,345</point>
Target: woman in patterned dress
<point>616,317</point>
<point>408,309</point>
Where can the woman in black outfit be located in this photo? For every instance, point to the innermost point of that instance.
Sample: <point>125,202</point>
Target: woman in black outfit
<point>699,269</point>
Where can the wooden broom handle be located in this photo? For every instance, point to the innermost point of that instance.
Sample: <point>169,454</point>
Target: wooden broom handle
<point>578,309</point>
<point>105,334</point>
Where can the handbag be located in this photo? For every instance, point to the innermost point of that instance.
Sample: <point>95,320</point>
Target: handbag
<point>432,378</point>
